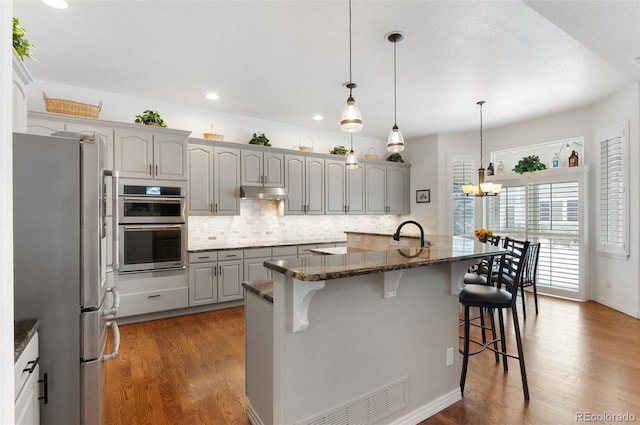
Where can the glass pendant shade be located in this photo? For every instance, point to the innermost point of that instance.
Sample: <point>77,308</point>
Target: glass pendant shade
<point>395,142</point>
<point>351,120</point>
<point>352,160</point>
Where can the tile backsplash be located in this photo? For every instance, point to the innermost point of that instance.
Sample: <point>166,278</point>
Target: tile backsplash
<point>259,223</point>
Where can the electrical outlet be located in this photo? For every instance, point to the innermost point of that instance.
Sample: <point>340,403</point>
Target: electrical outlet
<point>358,238</point>
<point>449,356</point>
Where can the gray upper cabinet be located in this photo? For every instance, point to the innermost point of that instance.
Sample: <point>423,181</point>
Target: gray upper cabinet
<point>344,188</point>
<point>376,188</point>
<point>226,181</point>
<point>335,186</point>
<point>200,193</point>
<point>262,168</point>
<point>150,155</point>
<point>214,180</point>
<point>304,180</point>
<point>387,189</point>
<point>397,189</point>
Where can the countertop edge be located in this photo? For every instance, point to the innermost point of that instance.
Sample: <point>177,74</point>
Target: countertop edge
<point>267,245</point>
<point>23,331</point>
<point>262,288</point>
<point>312,277</point>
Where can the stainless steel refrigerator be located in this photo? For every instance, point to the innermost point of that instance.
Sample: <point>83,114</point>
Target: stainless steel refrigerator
<point>59,206</point>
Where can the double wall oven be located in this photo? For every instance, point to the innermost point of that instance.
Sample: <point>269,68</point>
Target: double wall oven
<point>151,225</point>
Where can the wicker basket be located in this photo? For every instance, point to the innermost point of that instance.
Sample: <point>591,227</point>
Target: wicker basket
<point>70,107</point>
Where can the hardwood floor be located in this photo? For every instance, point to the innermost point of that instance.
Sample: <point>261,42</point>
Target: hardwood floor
<point>581,358</point>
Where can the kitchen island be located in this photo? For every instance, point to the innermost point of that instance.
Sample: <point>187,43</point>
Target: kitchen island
<point>363,337</point>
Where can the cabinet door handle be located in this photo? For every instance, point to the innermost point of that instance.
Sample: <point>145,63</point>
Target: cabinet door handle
<point>31,365</point>
<point>156,169</point>
<point>230,255</point>
<point>266,179</point>
<point>45,383</point>
<point>215,271</point>
<point>211,207</point>
<point>216,208</point>
<point>220,273</point>
<point>150,172</point>
<point>153,296</point>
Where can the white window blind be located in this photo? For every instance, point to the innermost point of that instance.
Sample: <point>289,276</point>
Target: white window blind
<point>462,172</point>
<point>547,213</point>
<point>613,217</point>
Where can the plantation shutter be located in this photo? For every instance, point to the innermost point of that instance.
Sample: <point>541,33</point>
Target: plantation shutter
<point>463,206</point>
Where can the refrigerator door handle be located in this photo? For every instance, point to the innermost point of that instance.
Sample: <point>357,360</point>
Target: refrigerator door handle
<point>115,241</point>
<point>113,311</point>
<point>116,342</point>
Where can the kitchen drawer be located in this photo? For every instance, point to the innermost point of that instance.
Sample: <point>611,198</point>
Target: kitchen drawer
<point>230,254</point>
<point>25,361</point>
<point>257,253</point>
<point>153,301</point>
<point>203,257</point>
<point>284,251</point>
<point>135,283</point>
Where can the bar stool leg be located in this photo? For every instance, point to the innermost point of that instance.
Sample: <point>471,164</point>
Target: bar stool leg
<point>523,372</point>
<point>494,335</point>
<point>465,351</point>
<point>503,341</point>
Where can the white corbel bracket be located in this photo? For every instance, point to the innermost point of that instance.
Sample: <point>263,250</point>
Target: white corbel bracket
<point>391,283</point>
<point>302,292</point>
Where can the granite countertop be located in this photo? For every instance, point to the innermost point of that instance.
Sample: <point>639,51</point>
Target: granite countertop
<point>262,288</point>
<point>444,249</point>
<point>23,331</point>
<point>338,250</point>
<point>214,245</point>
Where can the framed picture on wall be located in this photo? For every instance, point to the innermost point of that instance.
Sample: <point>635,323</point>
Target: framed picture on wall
<point>423,195</point>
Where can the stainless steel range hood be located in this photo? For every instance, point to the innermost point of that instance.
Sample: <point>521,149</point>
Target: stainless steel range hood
<point>259,192</point>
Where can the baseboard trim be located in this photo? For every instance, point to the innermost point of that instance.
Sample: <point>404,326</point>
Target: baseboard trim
<point>619,307</point>
<point>427,410</point>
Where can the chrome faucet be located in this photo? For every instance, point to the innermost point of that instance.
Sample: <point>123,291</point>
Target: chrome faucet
<point>396,235</point>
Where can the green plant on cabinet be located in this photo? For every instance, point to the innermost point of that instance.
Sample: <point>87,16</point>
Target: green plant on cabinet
<point>259,139</point>
<point>20,43</point>
<point>529,164</point>
<point>150,117</point>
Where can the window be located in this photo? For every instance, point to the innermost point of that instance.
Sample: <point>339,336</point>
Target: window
<point>463,207</point>
<point>613,178</point>
<point>547,212</point>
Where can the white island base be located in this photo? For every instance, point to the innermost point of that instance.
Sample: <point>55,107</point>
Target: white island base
<point>352,351</point>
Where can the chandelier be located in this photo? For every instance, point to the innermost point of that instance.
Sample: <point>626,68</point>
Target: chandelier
<point>482,188</point>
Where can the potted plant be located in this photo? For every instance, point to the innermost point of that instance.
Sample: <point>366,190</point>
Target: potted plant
<point>259,139</point>
<point>395,157</point>
<point>21,44</point>
<point>339,150</point>
<point>150,117</point>
<point>529,164</point>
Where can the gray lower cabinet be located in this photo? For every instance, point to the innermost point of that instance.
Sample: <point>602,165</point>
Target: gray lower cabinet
<point>215,276</point>
<point>27,389</point>
<point>254,259</point>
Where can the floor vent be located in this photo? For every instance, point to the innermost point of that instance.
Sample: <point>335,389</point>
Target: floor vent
<point>368,409</point>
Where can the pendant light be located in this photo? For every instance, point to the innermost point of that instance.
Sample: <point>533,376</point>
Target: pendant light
<point>352,159</point>
<point>351,120</point>
<point>395,142</point>
<point>482,188</point>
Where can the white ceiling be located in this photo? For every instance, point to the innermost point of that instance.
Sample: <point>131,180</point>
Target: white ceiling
<point>287,60</point>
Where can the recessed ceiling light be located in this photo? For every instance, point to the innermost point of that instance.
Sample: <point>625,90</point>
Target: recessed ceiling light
<point>318,117</point>
<point>58,4</point>
<point>212,96</point>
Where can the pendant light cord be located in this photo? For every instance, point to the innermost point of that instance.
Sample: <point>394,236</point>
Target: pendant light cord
<point>350,80</point>
<point>481,103</point>
<point>395,95</point>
